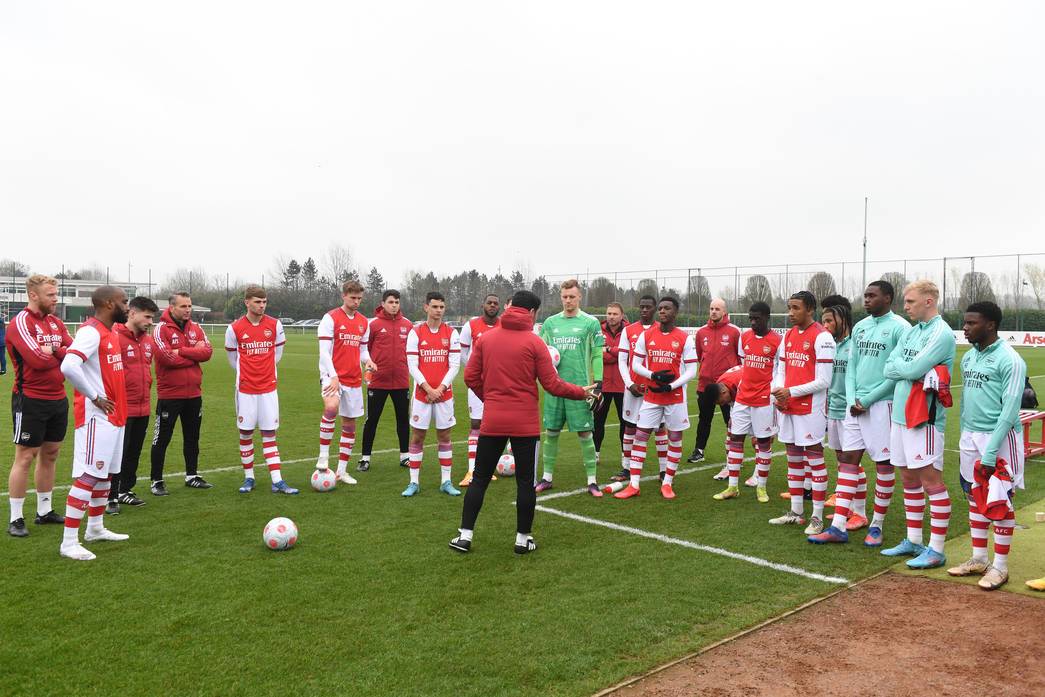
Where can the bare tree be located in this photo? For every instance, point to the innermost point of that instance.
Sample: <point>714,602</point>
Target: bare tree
<point>976,287</point>
<point>338,263</point>
<point>821,284</point>
<point>1036,280</point>
<point>757,289</point>
<point>898,282</point>
<point>11,268</point>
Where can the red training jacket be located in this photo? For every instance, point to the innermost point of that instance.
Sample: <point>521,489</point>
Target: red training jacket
<point>718,350</point>
<point>388,350</point>
<point>503,370</point>
<point>38,375</point>
<point>611,377</point>
<point>137,369</point>
<point>178,375</point>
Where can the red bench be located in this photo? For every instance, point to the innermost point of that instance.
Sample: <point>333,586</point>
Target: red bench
<point>1033,447</point>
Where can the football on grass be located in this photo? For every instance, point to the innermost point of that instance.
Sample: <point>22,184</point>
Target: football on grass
<point>323,480</point>
<point>506,465</point>
<point>280,534</point>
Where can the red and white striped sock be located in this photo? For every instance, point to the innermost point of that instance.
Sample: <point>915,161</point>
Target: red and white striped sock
<point>75,506</point>
<point>345,446</point>
<point>446,459</point>
<point>625,448</point>
<point>939,516</point>
<point>473,445</point>
<point>663,456</point>
<point>246,453</point>
<point>417,454</point>
<point>638,455</point>
<point>796,468</point>
<point>807,481</point>
<point>1002,541</point>
<point>914,509</point>
<point>271,452</point>
<point>885,480</point>
<point>859,506</point>
<point>674,456</point>
<point>96,509</point>
<point>978,530</point>
<point>763,458</point>
<point>818,471</point>
<point>326,433</point>
<point>845,490</point>
<point>734,458</point>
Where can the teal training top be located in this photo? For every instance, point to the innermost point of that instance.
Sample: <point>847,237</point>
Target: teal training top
<point>580,343</point>
<point>874,338</point>
<point>994,379</point>
<point>922,347</point>
<point>836,406</point>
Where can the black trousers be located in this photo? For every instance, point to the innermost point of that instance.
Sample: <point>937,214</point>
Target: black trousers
<point>488,451</point>
<point>134,433</point>
<point>608,399</point>
<point>375,404</point>
<point>706,412</point>
<point>168,411</point>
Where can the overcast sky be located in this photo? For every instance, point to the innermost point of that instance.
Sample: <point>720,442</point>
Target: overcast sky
<point>561,136</point>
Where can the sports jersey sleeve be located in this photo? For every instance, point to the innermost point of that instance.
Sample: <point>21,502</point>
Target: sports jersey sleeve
<point>778,367</point>
<point>623,356</point>
<point>850,375</point>
<point>739,338</point>
<point>325,334</point>
<point>27,346</point>
<point>466,342</point>
<point>825,358</point>
<point>165,356</point>
<point>938,350</point>
<point>598,344</point>
<point>454,359</point>
<point>364,345</point>
<point>281,341</point>
<point>1013,375</point>
<point>638,358</point>
<point>412,360</point>
<point>689,364</point>
<point>473,372</point>
<point>232,347</point>
<point>83,348</point>
<point>67,341</point>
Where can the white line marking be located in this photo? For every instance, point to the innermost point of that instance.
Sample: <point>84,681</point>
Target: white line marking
<point>757,561</point>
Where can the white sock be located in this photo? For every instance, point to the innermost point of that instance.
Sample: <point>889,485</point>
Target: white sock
<point>445,472</point>
<point>521,539</point>
<point>248,473</point>
<point>979,553</point>
<point>402,456</point>
<point>16,508</point>
<point>43,502</point>
<point>547,476</point>
<point>415,475</point>
<point>465,534</point>
<point>591,479</point>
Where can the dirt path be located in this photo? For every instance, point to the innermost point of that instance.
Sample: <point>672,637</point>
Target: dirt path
<point>868,641</point>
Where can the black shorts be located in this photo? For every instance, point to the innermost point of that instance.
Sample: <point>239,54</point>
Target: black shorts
<point>38,421</point>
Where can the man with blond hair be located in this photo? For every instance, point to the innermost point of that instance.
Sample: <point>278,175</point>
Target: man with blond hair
<point>37,343</point>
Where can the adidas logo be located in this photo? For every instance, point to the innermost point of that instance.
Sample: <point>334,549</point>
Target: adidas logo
<point>342,327</point>
<point>917,457</point>
<point>244,336</point>
<point>424,343</point>
<point>383,330</point>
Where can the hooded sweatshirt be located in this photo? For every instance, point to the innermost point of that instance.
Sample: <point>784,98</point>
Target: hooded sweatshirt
<point>387,347</point>
<point>718,350</point>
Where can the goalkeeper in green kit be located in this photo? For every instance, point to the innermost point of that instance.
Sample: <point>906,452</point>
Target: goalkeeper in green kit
<point>578,338</point>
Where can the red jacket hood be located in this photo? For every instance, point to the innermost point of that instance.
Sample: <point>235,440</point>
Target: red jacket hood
<point>517,319</point>
<point>380,313</point>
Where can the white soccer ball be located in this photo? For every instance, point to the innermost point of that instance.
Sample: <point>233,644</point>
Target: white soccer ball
<point>324,480</point>
<point>506,465</point>
<point>280,534</point>
<point>554,353</point>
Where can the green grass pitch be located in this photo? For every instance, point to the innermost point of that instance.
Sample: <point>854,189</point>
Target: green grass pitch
<point>372,602</point>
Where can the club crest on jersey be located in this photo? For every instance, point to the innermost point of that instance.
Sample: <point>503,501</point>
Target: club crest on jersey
<point>674,344</point>
<point>53,325</point>
<point>446,342</point>
<point>268,333</point>
<point>766,350</point>
<point>192,333</point>
<point>100,464</point>
<point>805,345</point>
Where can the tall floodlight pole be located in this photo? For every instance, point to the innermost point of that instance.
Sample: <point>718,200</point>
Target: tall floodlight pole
<point>865,246</point>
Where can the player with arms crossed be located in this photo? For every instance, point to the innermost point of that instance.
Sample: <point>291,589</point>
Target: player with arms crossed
<point>634,388</point>
<point>254,344</point>
<point>667,357</point>
<point>993,375</point>
<point>805,361</point>
<point>753,413</point>
<point>433,356</point>
<point>577,336</point>
<point>470,333</point>
<point>924,354</point>
<point>343,336</point>
<point>94,366</point>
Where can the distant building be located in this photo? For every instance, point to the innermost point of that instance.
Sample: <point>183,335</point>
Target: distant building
<point>74,298</point>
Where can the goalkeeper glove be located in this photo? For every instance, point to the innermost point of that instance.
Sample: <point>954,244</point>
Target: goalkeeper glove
<point>661,388</point>
<point>664,377</point>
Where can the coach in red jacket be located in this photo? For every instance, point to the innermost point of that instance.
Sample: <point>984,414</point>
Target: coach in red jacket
<point>388,332</point>
<point>718,350</point>
<point>137,353</point>
<point>612,380</point>
<point>502,371</point>
<point>180,346</point>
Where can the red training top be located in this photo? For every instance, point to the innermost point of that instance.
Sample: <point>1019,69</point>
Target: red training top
<point>137,369</point>
<point>718,350</point>
<point>38,375</point>
<point>179,375</point>
<point>387,347</point>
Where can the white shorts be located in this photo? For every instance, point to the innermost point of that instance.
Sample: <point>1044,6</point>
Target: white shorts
<point>97,449</point>
<point>421,414</point>
<point>632,405</point>
<point>351,400</point>
<point>870,432</point>
<point>759,422</point>
<point>971,448</point>
<point>915,448</point>
<point>259,411</point>
<point>475,406</point>
<point>834,434</point>
<point>674,416</point>
<point>802,429</point>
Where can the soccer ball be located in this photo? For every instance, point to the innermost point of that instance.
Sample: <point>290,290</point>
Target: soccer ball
<point>323,480</point>
<point>506,465</point>
<point>554,353</point>
<point>280,534</point>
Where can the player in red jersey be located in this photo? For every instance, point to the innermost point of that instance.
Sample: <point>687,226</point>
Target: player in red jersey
<point>664,355</point>
<point>37,341</point>
<point>94,366</point>
<point>433,355</point>
<point>753,414</point>
<point>254,344</point>
<point>470,333</point>
<point>805,362</point>
<point>343,336</point>
<point>634,388</point>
